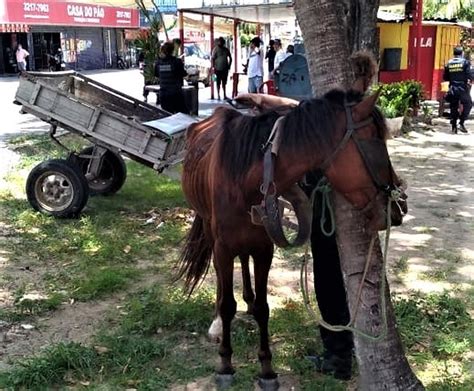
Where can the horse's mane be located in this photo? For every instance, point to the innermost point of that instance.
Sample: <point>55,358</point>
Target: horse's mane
<point>310,124</point>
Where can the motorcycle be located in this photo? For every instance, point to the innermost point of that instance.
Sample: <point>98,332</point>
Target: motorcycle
<point>121,63</point>
<point>56,62</point>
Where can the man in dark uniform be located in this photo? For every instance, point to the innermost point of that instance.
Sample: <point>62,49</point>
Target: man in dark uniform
<point>270,55</point>
<point>170,71</point>
<point>458,72</point>
<point>221,62</point>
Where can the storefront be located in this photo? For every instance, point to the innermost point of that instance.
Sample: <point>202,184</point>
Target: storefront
<point>90,36</point>
<point>436,47</point>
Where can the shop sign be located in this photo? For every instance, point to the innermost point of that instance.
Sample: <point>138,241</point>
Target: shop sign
<point>167,6</point>
<point>51,12</point>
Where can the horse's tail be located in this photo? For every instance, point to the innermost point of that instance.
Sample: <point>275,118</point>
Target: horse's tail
<point>196,256</point>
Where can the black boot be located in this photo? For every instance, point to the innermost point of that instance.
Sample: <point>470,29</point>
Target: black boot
<point>462,128</point>
<point>338,366</point>
<point>454,128</point>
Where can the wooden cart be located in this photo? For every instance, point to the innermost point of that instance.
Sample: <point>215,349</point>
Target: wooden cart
<point>116,124</point>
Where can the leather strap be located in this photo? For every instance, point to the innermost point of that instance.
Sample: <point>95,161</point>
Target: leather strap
<point>351,126</point>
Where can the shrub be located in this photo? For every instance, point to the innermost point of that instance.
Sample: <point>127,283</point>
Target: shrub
<point>396,98</point>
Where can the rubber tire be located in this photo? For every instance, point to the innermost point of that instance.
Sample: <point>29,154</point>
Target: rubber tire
<point>75,178</point>
<point>113,169</point>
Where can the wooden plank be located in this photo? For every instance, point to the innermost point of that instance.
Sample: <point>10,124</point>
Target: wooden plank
<point>145,142</point>
<point>129,138</point>
<point>34,95</point>
<point>99,97</point>
<point>93,120</point>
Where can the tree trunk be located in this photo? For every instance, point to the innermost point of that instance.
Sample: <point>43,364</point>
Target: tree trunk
<point>382,364</point>
<point>331,30</point>
<point>325,43</point>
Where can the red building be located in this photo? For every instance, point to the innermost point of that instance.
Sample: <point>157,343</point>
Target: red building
<point>90,36</point>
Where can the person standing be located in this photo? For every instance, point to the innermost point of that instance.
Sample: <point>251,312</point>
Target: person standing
<point>255,66</point>
<point>170,71</point>
<point>280,55</point>
<point>221,62</point>
<point>177,49</point>
<point>270,56</point>
<point>458,72</point>
<point>21,55</point>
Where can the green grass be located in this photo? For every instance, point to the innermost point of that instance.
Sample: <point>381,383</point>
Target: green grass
<point>438,334</point>
<point>438,320</point>
<point>159,341</point>
<point>401,265</point>
<point>101,252</point>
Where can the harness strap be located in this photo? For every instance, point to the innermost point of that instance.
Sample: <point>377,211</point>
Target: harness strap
<point>270,149</point>
<point>351,126</point>
<point>269,212</point>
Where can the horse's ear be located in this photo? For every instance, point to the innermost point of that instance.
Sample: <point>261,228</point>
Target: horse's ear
<point>363,109</point>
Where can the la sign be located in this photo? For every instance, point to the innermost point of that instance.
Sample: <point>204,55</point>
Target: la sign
<point>426,42</point>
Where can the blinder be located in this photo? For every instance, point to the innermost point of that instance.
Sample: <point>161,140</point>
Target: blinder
<point>377,161</point>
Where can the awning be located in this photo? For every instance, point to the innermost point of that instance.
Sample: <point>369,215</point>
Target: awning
<point>260,13</point>
<point>14,28</point>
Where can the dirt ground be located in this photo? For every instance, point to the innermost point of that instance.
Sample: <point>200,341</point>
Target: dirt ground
<point>435,243</point>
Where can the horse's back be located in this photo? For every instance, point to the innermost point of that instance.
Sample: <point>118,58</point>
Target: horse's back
<point>202,149</point>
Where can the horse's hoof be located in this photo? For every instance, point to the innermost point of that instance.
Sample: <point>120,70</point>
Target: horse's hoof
<point>268,384</point>
<point>224,381</point>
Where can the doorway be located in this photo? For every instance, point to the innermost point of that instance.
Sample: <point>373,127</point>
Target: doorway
<point>45,45</point>
<point>8,45</point>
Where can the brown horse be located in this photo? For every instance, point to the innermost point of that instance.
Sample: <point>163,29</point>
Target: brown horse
<point>222,177</point>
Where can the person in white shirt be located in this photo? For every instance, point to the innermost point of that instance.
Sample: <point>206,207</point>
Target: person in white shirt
<point>21,55</point>
<point>255,66</point>
<point>280,55</point>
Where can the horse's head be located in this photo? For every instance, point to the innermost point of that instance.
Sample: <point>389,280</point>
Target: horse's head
<point>360,168</point>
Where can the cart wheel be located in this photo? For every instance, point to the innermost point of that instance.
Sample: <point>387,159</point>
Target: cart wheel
<point>112,174</point>
<point>57,187</point>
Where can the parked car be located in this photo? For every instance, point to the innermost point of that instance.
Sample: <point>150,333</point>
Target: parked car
<point>197,63</point>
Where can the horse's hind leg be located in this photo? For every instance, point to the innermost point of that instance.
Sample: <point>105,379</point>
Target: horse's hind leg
<point>215,330</point>
<point>262,263</point>
<point>226,304</point>
<point>248,294</point>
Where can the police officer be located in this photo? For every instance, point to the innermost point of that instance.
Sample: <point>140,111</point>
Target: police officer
<point>170,71</point>
<point>458,72</point>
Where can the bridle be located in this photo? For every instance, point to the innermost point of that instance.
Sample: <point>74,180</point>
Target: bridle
<point>373,152</point>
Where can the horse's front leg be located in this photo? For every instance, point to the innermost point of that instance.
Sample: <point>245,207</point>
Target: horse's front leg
<point>226,304</point>
<point>262,262</point>
<point>249,296</point>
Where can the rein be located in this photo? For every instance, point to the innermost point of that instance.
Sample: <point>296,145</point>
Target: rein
<point>351,325</point>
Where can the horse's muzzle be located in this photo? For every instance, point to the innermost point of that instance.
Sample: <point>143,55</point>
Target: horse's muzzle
<point>378,219</point>
<point>399,209</point>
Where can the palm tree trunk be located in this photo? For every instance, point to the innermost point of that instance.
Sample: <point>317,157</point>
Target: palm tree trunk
<point>326,44</point>
<point>382,364</point>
